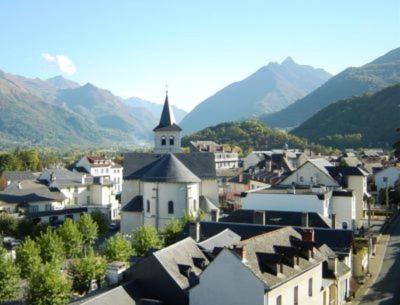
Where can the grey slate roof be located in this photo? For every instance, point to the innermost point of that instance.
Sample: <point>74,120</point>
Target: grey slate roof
<point>225,238</point>
<point>168,169</point>
<point>281,244</point>
<point>167,120</point>
<point>200,164</point>
<point>179,254</point>
<point>18,175</point>
<point>206,205</point>
<point>339,240</point>
<point>135,205</point>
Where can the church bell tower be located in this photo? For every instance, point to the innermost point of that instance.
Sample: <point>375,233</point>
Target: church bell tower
<point>167,134</point>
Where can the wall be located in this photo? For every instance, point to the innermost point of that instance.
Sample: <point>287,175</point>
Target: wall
<point>158,148</point>
<point>130,189</point>
<point>286,202</point>
<point>392,174</point>
<point>286,290</point>
<point>209,188</point>
<point>345,209</point>
<point>309,174</point>
<point>227,281</point>
<point>130,221</point>
<point>359,186</point>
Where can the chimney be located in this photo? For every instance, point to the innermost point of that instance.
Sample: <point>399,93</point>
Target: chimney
<point>259,217</point>
<point>194,230</point>
<point>304,219</point>
<point>333,218</point>
<point>214,215</point>
<point>308,235</point>
<point>240,178</point>
<point>332,264</point>
<point>241,252</point>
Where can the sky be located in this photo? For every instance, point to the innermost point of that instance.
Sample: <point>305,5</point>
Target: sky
<point>135,48</point>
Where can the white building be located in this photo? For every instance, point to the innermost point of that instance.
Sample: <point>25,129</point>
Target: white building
<point>280,267</point>
<point>223,159</point>
<point>387,178</point>
<point>99,166</point>
<point>166,184</point>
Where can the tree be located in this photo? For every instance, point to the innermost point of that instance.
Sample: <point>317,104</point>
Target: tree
<point>8,225</point>
<point>144,239</point>
<point>51,246</point>
<point>118,248</point>
<point>48,286</point>
<point>28,257</point>
<point>84,271</point>
<point>71,237</point>
<point>7,162</point>
<point>89,230</point>
<point>396,146</point>
<point>172,232</point>
<point>102,221</point>
<point>29,159</point>
<point>9,277</point>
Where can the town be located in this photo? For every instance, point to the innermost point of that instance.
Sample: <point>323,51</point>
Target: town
<point>281,226</point>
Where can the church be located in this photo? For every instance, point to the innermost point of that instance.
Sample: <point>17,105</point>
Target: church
<point>167,184</point>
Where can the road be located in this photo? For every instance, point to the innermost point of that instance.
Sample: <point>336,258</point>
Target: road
<point>386,289</point>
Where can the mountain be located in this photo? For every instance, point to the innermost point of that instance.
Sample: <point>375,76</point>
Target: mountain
<point>251,135</point>
<point>60,83</point>
<point>155,108</point>
<point>372,77</point>
<point>271,88</point>
<point>366,121</point>
<point>60,112</point>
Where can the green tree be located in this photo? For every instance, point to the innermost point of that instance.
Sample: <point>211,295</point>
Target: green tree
<point>102,221</point>
<point>144,239</point>
<point>8,225</point>
<point>85,270</point>
<point>172,232</point>
<point>89,230</point>
<point>118,248</point>
<point>9,277</point>
<point>29,159</point>
<point>396,146</point>
<point>28,257</point>
<point>48,286</point>
<point>7,162</point>
<point>71,237</point>
<point>51,246</point>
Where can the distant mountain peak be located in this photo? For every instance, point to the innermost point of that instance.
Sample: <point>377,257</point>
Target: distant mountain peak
<point>61,83</point>
<point>288,61</point>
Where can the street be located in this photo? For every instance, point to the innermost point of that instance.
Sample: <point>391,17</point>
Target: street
<point>386,289</point>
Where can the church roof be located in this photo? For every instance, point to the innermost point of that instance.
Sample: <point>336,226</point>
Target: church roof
<point>167,120</point>
<point>201,164</point>
<point>168,169</point>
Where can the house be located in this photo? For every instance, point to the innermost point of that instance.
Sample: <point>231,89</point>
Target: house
<point>223,159</point>
<point>15,177</point>
<point>169,273</point>
<point>278,267</point>
<point>99,166</point>
<point>320,172</point>
<point>291,158</point>
<point>166,184</point>
<point>387,178</point>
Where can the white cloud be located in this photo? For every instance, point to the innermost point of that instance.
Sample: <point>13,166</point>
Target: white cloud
<point>62,62</point>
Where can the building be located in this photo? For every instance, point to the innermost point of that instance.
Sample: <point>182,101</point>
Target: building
<point>223,159</point>
<point>387,178</point>
<point>290,158</point>
<point>99,166</point>
<point>278,267</point>
<point>166,184</point>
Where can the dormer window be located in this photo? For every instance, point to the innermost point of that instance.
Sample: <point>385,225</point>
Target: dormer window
<point>171,140</point>
<point>163,141</point>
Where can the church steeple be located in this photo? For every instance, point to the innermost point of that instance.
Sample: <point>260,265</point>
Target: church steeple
<point>167,133</point>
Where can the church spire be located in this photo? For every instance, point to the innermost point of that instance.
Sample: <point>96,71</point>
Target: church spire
<point>167,119</point>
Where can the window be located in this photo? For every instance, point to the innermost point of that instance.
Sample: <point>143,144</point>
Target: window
<point>310,287</point>
<point>171,140</point>
<point>88,200</point>
<point>195,204</point>
<point>170,207</point>
<point>148,206</point>
<point>76,189</point>
<point>76,200</point>
<point>296,295</point>
<point>88,188</point>
<point>279,300</point>
<point>301,179</point>
<point>163,141</point>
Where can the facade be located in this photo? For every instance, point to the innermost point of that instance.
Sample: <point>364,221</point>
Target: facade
<point>167,184</point>
<point>223,159</point>
<point>98,166</point>
<point>279,267</point>
<point>387,178</point>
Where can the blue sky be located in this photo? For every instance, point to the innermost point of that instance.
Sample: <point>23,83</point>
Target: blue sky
<point>134,47</point>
